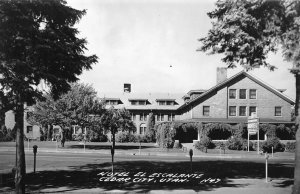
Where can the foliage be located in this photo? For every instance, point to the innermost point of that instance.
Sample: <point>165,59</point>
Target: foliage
<point>218,130</point>
<point>123,136</point>
<point>286,132</point>
<point>272,142</point>
<point>7,134</point>
<point>114,120</point>
<point>38,43</point>
<point>72,108</point>
<point>204,144</point>
<point>240,131</point>
<point>78,137</point>
<point>150,131</point>
<point>246,31</point>
<point>92,136</point>
<point>290,146</point>
<point>165,134</point>
<point>235,143</point>
<point>268,129</point>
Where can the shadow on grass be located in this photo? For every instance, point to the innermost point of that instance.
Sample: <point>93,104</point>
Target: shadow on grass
<point>85,176</point>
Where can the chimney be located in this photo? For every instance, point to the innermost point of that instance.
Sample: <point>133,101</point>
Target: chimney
<point>221,74</point>
<point>127,88</point>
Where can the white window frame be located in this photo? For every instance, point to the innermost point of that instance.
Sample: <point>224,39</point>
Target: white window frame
<point>234,111</point>
<point>255,94</point>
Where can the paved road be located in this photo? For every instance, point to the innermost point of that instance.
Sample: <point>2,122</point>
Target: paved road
<point>47,160</point>
<point>238,174</point>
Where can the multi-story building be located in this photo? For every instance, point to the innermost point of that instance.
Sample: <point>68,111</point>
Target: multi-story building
<point>232,100</point>
<point>162,106</point>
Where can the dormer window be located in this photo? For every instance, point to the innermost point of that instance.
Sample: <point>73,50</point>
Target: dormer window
<point>166,102</point>
<point>112,101</point>
<point>139,101</point>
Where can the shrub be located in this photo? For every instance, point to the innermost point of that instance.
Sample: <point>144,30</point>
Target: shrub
<point>7,134</point>
<point>165,135</point>
<point>290,146</point>
<point>122,136</point>
<point>149,137</point>
<point>272,142</point>
<point>95,137</point>
<point>218,144</point>
<point>245,145</point>
<point>235,143</point>
<point>204,144</point>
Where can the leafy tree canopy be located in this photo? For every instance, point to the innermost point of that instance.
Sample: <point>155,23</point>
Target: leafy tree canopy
<point>38,42</point>
<point>72,108</point>
<point>246,31</point>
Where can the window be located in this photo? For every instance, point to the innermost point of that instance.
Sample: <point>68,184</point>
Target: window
<point>277,111</point>
<point>143,128</point>
<point>170,103</point>
<point>133,102</point>
<point>252,109</point>
<point>171,117</point>
<point>143,117</point>
<point>142,102</point>
<point>232,110</point>
<point>242,111</point>
<point>161,103</point>
<point>133,117</point>
<point>252,94</point>
<point>232,93</point>
<point>205,110</point>
<point>29,129</point>
<point>160,117</point>
<point>242,93</point>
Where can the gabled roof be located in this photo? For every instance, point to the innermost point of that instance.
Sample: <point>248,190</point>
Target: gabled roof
<point>242,73</point>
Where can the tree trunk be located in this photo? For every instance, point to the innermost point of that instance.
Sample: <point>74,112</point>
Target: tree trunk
<point>296,188</point>
<point>2,112</point>
<point>20,170</point>
<point>49,132</point>
<point>113,150</point>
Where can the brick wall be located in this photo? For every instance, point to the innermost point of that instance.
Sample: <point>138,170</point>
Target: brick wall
<point>219,102</point>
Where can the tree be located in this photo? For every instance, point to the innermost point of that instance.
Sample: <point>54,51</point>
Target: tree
<point>246,31</point>
<point>150,131</point>
<point>72,108</point>
<point>114,120</point>
<point>38,42</point>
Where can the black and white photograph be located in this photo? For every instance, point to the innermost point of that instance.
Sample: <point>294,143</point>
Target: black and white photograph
<point>150,96</point>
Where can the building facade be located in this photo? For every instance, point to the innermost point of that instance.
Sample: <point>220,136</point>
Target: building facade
<point>231,100</point>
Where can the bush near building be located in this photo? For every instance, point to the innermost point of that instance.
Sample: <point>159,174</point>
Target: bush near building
<point>204,144</point>
<point>272,142</point>
<point>234,135</point>
<point>290,146</point>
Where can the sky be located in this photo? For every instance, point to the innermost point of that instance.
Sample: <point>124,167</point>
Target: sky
<point>152,45</point>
